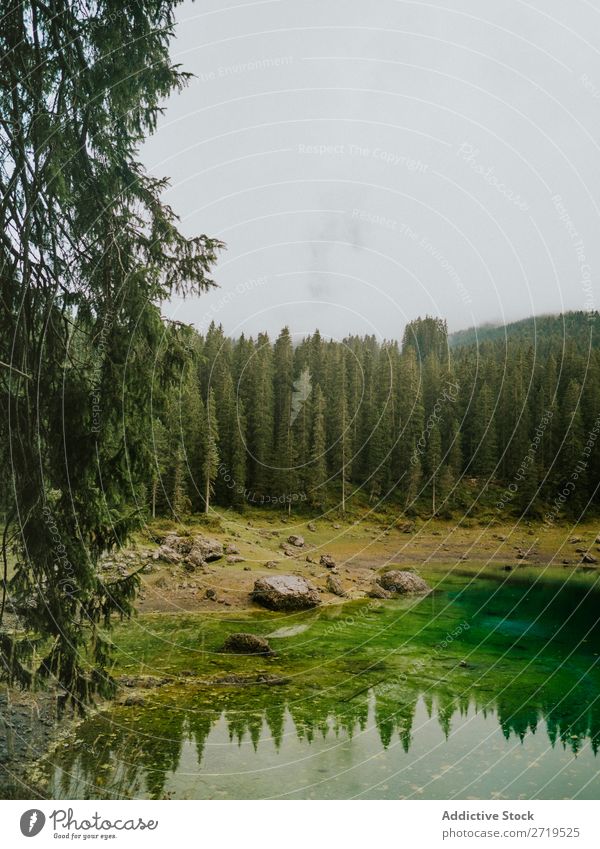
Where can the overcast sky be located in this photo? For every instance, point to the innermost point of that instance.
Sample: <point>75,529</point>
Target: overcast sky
<point>369,162</point>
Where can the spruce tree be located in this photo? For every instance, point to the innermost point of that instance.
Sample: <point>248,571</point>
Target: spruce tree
<point>318,468</point>
<point>210,451</point>
<point>92,252</point>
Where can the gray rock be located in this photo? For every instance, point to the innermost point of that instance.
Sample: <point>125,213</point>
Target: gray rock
<point>288,550</point>
<point>211,549</point>
<point>133,700</point>
<point>397,581</point>
<point>589,558</point>
<point>271,564</point>
<point>334,586</point>
<point>234,558</point>
<point>377,591</point>
<point>210,594</point>
<point>327,561</point>
<point>180,544</point>
<point>312,527</point>
<point>168,554</point>
<point>246,644</point>
<point>298,541</point>
<point>285,592</point>
<point>204,551</point>
<point>230,548</point>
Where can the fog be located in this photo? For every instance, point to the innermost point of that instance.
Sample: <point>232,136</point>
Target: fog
<point>367,163</point>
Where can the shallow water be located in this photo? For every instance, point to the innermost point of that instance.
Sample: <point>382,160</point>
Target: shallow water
<point>482,689</point>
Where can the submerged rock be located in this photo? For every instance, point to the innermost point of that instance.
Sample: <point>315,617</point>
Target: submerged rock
<point>246,644</point>
<point>397,581</point>
<point>285,592</point>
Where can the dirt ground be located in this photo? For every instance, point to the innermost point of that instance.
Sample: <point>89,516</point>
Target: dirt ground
<point>360,549</point>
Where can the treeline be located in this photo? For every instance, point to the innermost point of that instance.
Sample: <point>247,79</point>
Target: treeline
<point>430,429</point>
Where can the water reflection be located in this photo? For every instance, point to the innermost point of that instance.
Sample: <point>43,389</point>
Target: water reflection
<point>184,739</point>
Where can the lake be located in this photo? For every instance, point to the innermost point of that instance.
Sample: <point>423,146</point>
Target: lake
<point>484,689</point>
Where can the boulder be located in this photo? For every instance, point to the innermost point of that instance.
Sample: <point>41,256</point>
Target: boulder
<point>398,581</point>
<point>312,527</point>
<point>327,561</point>
<point>298,541</point>
<point>246,644</point>
<point>271,564</point>
<point>168,554</point>
<point>285,592</point>
<point>288,550</point>
<point>230,548</point>
<point>204,551</point>
<point>589,558</point>
<point>377,591</point>
<point>234,558</point>
<point>180,544</point>
<point>334,586</point>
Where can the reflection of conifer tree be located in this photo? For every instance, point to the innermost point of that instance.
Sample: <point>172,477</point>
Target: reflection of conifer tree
<point>275,719</point>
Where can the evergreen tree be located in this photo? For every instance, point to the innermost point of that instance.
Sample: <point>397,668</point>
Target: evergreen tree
<point>89,252</point>
<point>210,451</point>
<point>318,468</point>
<point>283,391</point>
<point>484,430</point>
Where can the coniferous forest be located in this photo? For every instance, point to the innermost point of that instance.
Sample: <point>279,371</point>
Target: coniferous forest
<point>431,425</point>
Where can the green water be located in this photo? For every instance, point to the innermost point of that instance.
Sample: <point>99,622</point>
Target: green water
<point>481,690</point>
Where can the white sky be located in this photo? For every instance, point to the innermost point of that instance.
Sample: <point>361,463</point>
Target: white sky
<point>337,147</point>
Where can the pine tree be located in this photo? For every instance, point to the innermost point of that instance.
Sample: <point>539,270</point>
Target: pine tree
<point>572,462</point>
<point>434,462</point>
<point>484,429</point>
<point>159,469</point>
<point>259,405</point>
<point>210,450</point>
<point>340,433</point>
<point>318,468</point>
<point>93,250</point>
<point>283,390</point>
<point>302,406</point>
